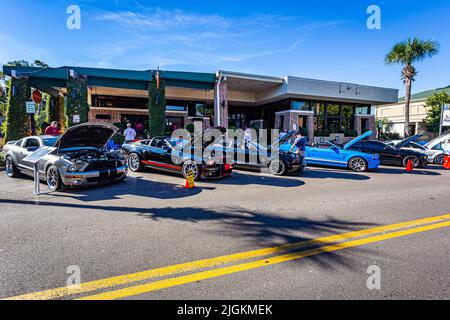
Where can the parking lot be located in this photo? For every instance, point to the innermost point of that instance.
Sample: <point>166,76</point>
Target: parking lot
<point>150,221</point>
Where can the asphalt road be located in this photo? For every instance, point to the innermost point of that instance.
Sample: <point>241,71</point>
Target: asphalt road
<point>151,222</point>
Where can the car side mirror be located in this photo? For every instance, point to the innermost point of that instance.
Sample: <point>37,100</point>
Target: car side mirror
<point>32,149</point>
<point>336,149</point>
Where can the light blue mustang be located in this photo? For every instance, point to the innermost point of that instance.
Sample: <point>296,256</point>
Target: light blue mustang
<point>335,156</point>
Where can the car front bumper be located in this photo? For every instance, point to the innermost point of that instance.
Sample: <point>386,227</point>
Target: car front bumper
<point>373,164</point>
<point>216,172</point>
<point>79,179</point>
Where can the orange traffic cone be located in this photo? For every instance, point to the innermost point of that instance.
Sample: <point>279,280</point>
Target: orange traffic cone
<point>447,163</point>
<point>410,166</point>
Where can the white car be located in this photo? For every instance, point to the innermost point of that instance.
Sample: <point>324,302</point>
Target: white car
<point>437,149</point>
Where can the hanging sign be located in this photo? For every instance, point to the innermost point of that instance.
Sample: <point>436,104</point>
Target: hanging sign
<point>76,118</point>
<point>446,116</point>
<point>30,107</point>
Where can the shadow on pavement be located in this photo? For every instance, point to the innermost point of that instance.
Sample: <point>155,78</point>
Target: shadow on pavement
<point>401,171</point>
<point>135,186</point>
<point>257,228</point>
<point>241,178</point>
<point>334,174</point>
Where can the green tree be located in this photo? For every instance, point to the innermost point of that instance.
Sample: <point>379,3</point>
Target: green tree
<point>157,109</point>
<point>434,110</point>
<point>406,53</point>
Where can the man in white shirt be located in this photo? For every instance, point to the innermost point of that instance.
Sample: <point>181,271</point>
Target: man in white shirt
<point>129,133</point>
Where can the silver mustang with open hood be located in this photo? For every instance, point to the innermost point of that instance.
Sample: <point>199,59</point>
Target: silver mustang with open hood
<point>77,158</point>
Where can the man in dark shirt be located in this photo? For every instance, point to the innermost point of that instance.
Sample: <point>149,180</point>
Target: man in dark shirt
<point>52,130</point>
<point>299,144</point>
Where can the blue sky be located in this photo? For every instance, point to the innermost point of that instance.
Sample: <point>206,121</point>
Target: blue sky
<point>318,39</point>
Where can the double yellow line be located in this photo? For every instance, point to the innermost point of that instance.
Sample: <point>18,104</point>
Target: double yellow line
<point>285,254</point>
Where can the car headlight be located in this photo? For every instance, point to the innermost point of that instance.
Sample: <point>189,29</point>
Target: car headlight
<point>375,157</point>
<point>210,163</point>
<point>72,168</point>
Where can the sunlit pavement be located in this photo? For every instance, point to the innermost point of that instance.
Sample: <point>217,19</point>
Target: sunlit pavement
<point>150,221</point>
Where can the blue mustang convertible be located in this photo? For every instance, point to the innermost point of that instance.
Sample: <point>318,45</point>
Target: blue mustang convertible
<point>341,157</point>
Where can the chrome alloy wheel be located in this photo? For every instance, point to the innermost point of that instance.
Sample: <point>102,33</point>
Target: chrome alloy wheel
<point>357,164</point>
<point>53,178</point>
<point>190,166</point>
<point>9,167</point>
<point>134,163</point>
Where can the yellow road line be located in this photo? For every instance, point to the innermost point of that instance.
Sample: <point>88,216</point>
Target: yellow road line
<point>213,262</point>
<point>172,282</point>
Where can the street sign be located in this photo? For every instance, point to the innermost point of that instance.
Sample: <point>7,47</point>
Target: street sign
<point>37,96</point>
<point>30,107</point>
<point>446,116</point>
<point>76,118</point>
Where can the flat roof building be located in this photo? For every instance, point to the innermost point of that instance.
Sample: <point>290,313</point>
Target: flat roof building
<point>395,112</point>
<point>230,99</point>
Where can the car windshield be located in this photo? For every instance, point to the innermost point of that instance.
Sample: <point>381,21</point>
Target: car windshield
<point>332,145</point>
<point>178,142</point>
<point>50,142</point>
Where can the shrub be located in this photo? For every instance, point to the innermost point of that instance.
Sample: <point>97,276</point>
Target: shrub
<point>157,109</point>
<point>118,139</point>
<point>15,124</point>
<point>76,101</point>
<point>191,128</point>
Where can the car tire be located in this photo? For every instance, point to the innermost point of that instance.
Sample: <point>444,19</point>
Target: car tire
<point>357,164</point>
<point>10,168</point>
<point>53,178</point>
<point>134,162</point>
<point>278,168</point>
<point>301,170</point>
<point>414,159</point>
<point>440,159</point>
<point>191,166</point>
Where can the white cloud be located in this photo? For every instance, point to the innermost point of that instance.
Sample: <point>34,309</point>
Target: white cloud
<point>145,35</point>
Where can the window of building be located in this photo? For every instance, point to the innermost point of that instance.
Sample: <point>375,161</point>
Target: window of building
<point>301,105</point>
<point>363,109</point>
<point>175,108</point>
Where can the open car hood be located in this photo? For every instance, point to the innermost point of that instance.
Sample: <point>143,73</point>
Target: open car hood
<point>206,135</point>
<point>358,139</point>
<point>405,142</point>
<point>436,141</point>
<point>283,140</point>
<point>87,135</point>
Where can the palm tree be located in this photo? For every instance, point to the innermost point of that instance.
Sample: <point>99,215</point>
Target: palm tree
<point>406,53</point>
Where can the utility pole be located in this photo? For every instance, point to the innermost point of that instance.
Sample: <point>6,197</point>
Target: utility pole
<point>441,120</point>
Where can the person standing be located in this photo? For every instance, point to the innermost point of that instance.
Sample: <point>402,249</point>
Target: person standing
<point>129,133</point>
<point>299,144</point>
<point>52,130</point>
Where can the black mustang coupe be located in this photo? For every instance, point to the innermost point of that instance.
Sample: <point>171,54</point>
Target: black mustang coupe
<point>253,155</point>
<point>395,156</point>
<point>171,155</point>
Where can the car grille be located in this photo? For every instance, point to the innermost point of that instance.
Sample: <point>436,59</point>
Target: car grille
<point>100,165</point>
<point>105,176</point>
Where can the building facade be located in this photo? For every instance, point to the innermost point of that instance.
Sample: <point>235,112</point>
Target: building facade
<point>317,108</point>
<point>395,113</point>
